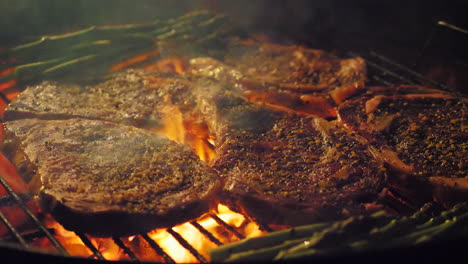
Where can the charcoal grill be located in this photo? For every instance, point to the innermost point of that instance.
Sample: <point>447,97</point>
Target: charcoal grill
<point>383,70</point>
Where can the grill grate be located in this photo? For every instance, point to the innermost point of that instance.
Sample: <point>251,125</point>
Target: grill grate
<point>157,248</point>
<point>33,217</point>
<point>382,71</point>
<point>90,245</point>
<point>126,249</point>
<point>186,245</point>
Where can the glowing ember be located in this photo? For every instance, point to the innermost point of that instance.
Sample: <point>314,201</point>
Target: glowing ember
<point>137,244</point>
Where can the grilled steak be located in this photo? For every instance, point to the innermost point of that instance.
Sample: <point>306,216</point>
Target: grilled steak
<point>131,98</point>
<point>421,133</point>
<point>105,178</point>
<point>284,168</point>
<point>287,77</point>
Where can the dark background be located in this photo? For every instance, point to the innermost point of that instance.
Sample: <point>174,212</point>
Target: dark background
<point>396,20</point>
<point>406,24</point>
<point>406,31</point>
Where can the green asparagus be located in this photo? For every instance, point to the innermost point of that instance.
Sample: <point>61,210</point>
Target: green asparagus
<point>94,50</point>
<point>351,235</point>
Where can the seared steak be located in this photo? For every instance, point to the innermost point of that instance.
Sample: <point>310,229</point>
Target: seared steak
<point>295,67</point>
<point>131,98</point>
<point>287,77</point>
<point>105,178</point>
<point>421,133</point>
<point>283,168</point>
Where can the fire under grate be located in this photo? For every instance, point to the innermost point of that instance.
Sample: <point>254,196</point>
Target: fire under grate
<point>15,199</point>
<point>382,71</point>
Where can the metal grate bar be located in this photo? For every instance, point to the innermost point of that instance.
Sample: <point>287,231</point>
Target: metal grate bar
<point>126,249</point>
<point>404,68</point>
<point>31,235</point>
<point>6,201</point>
<point>4,98</point>
<point>380,80</point>
<point>90,245</point>
<point>226,226</point>
<point>206,233</point>
<point>385,71</point>
<point>186,245</point>
<point>25,208</point>
<point>388,72</point>
<point>399,203</point>
<point>158,249</point>
<point>264,227</point>
<point>13,230</point>
<point>452,27</point>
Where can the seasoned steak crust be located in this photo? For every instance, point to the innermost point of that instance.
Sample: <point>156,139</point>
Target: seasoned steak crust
<point>293,78</point>
<point>284,168</point>
<point>105,178</point>
<point>424,137</point>
<point>130,97</point>
<point>295,67</point>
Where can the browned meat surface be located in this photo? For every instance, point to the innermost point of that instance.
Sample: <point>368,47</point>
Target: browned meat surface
<point>284,168</point>
<point>131,97</point>
<point>423,135</point>
<point>295,67</point>
<point>287,77</point>
<point>105,179</point>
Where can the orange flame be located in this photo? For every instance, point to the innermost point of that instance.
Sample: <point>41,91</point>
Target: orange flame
<point>7,84</point>
<point>111,251</point>
<point>172,64</point>
<point>184,131</point>
<point>134,60</point>
<point>7,71</point>
<point>197,136</point>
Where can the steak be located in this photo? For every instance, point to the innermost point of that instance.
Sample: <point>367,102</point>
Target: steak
<point>421,133</point>
<point>293,78</point>
<point>104,178</point>
<point>131,98</point>
<point>283,168</point>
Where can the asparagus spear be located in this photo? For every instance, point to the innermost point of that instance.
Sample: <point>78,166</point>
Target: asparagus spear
<point>266,253</point>
<point>100,47</point>
<point>396,227</point>
<point>354,234</point>
<point>271,239</point>
<point>447,225</point>
<point>338,236</point>
<point>188,26</point>
<point>404,231</point>
<point>272,243</point>
<point>74,63</point>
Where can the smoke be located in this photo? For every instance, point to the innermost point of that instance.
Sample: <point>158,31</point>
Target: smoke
<point>25,20</point>
<point>298,18</point>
